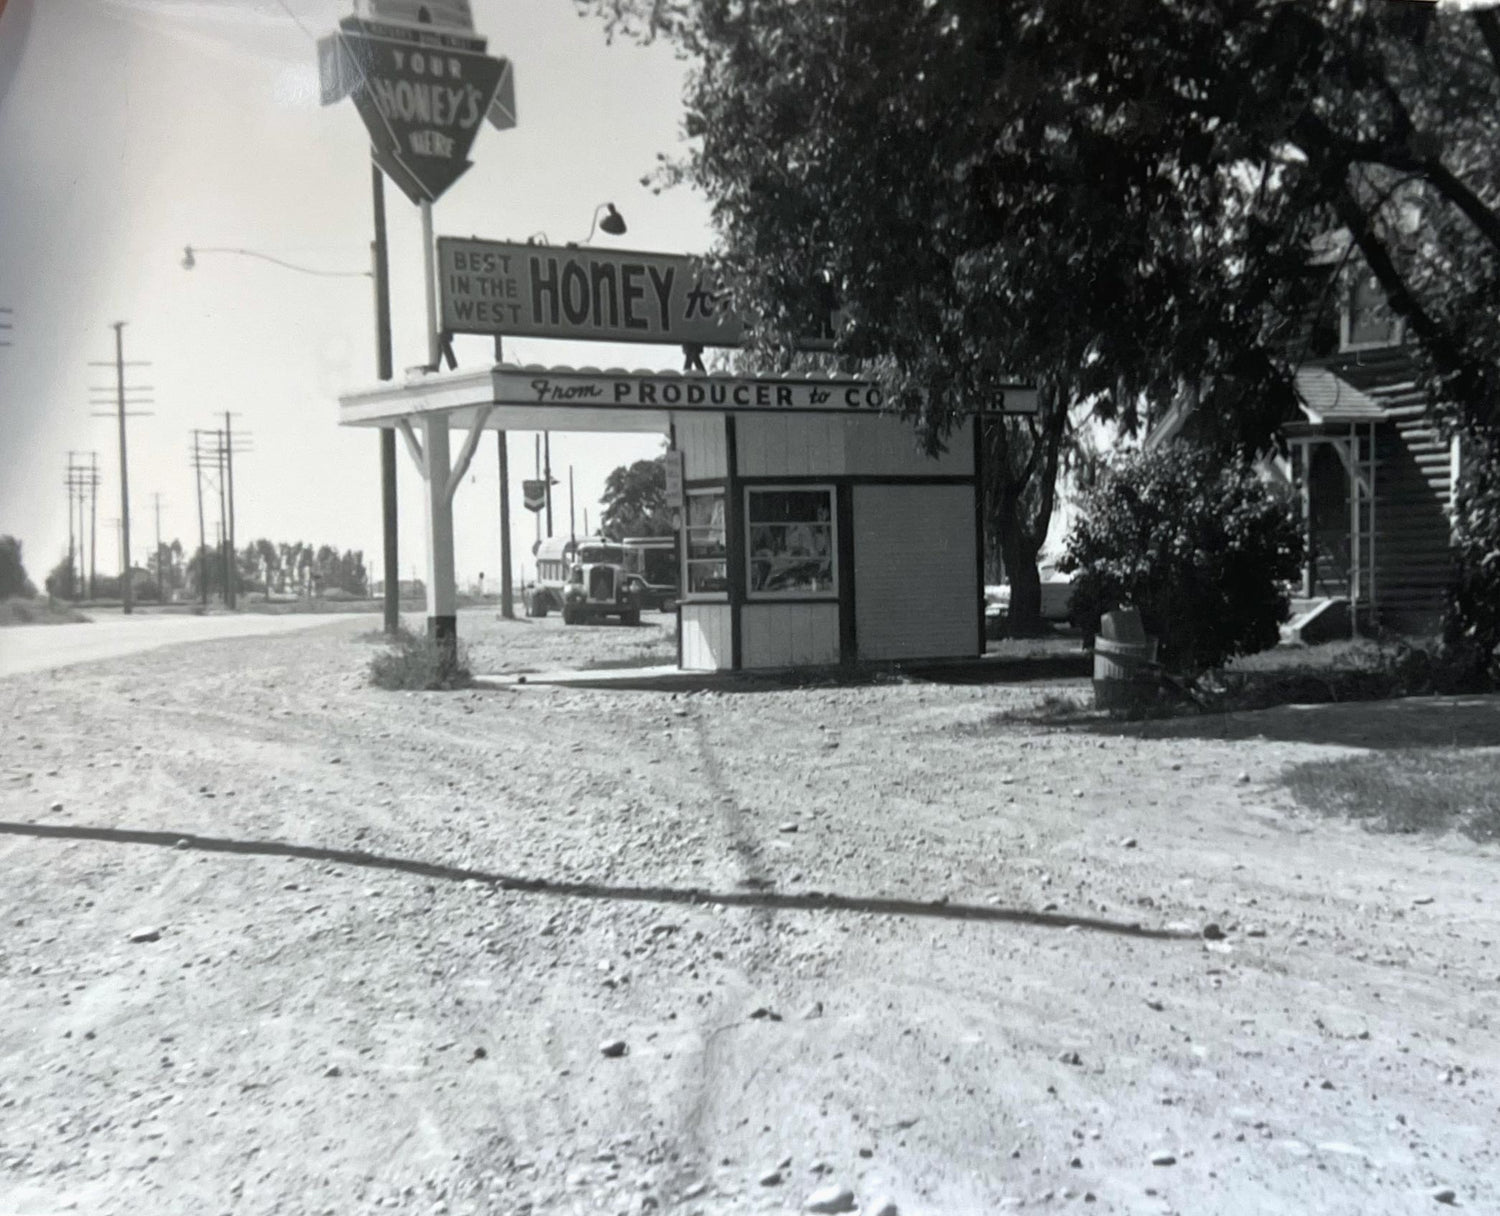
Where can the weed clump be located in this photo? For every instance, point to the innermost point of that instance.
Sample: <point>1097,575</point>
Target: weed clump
<point>420,663</point>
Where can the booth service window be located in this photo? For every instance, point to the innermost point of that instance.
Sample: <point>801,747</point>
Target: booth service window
<point>707,554</point>
<point>792,547</point>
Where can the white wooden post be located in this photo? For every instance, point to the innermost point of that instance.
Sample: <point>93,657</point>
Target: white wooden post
<point>442,595</point>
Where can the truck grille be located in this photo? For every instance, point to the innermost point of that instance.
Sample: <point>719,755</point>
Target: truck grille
<point>601,583</point>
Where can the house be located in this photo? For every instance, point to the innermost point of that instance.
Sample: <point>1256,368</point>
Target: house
<point>1374,477</point>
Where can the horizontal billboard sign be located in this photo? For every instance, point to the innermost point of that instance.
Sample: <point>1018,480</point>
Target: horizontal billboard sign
<point>634,390</point>
<point>578,293</point>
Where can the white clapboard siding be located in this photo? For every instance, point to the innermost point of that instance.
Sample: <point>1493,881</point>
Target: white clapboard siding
<point>880,445</point>
<point>916,590</point>
<point>790,445</point>
<point>706,637</point>
<point>701,442</point>
<point>789,635</point>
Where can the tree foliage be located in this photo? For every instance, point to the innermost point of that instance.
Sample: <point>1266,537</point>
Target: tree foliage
<point>1119,201</point>
<point>1116,197</point>
<point>635,501</point>
<point>13,579</point>
<point>1200,546</point>
<point>1473,620</point>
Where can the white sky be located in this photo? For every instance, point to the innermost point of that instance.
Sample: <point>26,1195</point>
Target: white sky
<point>130,128</point>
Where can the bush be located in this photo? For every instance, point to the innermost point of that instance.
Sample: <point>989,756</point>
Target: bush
<point>1472,625</point>
<point>1198,543</point>
<point>61,583</point>
<point>13,580</point>
<point>417,662</point>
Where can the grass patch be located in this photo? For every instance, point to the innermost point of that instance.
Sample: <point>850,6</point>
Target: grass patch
<point>18,611</point>
<point>1053,709</point>
<point>1428,790</point>
<point>657,653</point>
<point>415,662</point>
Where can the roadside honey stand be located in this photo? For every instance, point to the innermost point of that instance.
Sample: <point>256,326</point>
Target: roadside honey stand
<point>814,530</point>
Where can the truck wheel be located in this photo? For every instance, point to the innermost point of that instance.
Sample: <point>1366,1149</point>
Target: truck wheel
<point>633,617</point>
<point>570,617</point>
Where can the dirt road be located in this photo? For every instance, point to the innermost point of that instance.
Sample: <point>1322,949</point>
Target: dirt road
<point>868,936</point>
<point>111,635</point>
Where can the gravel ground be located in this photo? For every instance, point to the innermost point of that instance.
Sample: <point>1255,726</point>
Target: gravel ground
<point>277,941</point>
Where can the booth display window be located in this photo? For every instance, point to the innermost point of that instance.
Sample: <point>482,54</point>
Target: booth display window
<point>791,542</point>
<point>707,553</point>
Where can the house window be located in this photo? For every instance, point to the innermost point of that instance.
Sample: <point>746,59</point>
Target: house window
<point>707,557</point>
<point>791,542</point>
<point>1369,320</point>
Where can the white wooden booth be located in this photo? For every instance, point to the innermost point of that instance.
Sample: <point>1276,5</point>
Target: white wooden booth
<point>815,532</point>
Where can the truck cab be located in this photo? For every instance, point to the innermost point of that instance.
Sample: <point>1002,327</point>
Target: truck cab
<point>585,580</point>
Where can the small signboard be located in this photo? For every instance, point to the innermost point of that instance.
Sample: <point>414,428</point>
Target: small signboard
<point>422,92</point>
<point>534,494</point>
<point>635,390</point>
<point>673,463</point>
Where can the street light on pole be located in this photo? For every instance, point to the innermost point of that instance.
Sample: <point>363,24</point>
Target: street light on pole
<point>190,260</point>
<point>380,276</point>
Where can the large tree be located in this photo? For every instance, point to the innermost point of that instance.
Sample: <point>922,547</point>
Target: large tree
<point>1115,199</point>
<point>635,501</point>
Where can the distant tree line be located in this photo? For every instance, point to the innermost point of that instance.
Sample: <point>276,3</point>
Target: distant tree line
<point>263,566</point>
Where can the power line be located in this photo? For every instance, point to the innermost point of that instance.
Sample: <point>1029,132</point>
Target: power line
<point>287,10</point>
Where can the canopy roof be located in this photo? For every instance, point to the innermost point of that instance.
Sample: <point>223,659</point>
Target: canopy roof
<point>537,398</point>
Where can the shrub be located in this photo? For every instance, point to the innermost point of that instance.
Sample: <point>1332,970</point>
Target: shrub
<point>13,580</point>
<point>61,583</point>
<point>1472,625</point>
<point>416,661</point>
<point>1197,542</point>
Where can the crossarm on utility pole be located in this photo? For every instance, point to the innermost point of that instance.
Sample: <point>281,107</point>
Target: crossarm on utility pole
<point>466,453</point>
<point>413,444</point>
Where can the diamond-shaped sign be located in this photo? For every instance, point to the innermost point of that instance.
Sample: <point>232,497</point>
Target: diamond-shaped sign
<point>422,94</point>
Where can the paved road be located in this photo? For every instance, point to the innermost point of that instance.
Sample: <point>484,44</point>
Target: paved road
<point>26,648</point>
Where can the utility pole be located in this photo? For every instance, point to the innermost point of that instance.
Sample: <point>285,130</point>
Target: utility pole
<point>68,481</point>
<point>572,519</point>
<point>161,588</point>
<point>121,413</point>
<point>547,474</point>
<point>538,514</point>
<point>198,472</point>
<point>209,450</point>
<point>93,518</point>
<point>126,591</point>
<point>213,456</point>
<point>388,501</point>
<point>83,488</point>
<point>229,473</point>
<point>220,447</point>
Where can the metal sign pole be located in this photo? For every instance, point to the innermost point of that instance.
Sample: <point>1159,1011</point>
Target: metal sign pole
<point>429,282</point>
<point>502,452</point>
